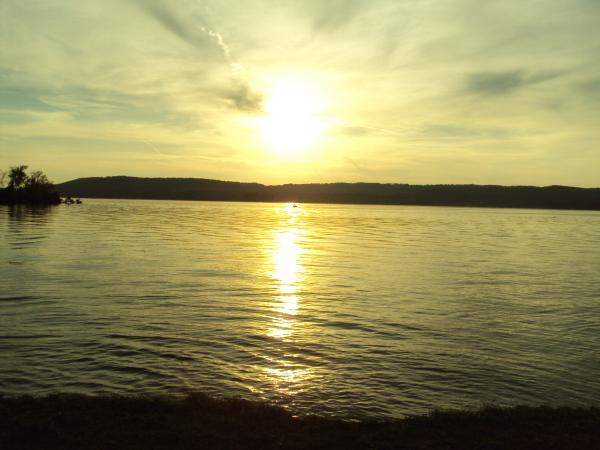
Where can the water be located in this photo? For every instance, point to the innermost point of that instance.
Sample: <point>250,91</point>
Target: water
<point>341,310</point>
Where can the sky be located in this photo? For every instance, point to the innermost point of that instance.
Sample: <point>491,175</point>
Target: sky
<point>275,91</point>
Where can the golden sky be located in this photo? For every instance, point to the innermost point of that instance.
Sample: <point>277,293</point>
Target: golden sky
<point>416,91</point>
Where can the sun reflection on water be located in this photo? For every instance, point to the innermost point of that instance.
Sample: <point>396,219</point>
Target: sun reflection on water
<point>287,272</point>
<point>287,258</point>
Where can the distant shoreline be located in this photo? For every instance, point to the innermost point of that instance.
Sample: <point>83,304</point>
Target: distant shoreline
<point>74,421</point>
<point>479,196</point>
<point>327,203</point>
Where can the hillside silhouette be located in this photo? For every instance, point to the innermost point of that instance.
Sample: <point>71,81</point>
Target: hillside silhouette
<point>549,197</point>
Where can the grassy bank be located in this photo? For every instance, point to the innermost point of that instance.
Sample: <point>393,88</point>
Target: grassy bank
<point>198,422</point>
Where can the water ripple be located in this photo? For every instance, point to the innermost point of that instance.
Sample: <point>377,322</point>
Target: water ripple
<point>327,309</point>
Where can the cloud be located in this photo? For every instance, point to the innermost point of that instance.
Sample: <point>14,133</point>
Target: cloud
<point>495,82</point>
<point>359,167</point>
<point>331,14</point>
<point>444,131</point>
<point>505,82</point>
<point>22,99</point>
<point>218,39</point>
<point>242,97</point>
<point>170,20</point>
<point>352,130</point>
<point>83,103</point>
<point>590,87</point>
<point>203,38</point>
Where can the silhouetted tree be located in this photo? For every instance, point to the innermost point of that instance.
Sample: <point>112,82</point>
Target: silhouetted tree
<point>33,189</point>
<point>37,178</point>
<point>3,174</point>
<point>17,176</point>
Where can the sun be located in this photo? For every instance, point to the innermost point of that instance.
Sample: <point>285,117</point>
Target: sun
<point>293,119</point>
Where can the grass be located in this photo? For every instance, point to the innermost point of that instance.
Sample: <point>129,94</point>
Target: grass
<point>198,422</point>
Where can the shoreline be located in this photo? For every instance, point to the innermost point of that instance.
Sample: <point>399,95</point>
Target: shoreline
<point>270,202</point>
<point>76,421</point>
<point>461,195</point>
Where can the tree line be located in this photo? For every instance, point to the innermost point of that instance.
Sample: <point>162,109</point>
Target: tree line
<point>551,197</point>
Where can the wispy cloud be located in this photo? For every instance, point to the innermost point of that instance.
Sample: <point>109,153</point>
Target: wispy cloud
<point>504,82</point>
<point>591,87</point>
<point>195,36</point>
<point>354,130</point>
<point>330,15</point>
<point>241,95</point>
<point>463,133</point>
<point>22,99</point>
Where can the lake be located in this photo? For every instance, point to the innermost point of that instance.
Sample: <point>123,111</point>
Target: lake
<point>346,310</point>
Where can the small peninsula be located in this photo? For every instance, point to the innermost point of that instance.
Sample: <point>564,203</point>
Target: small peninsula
<point>24,189</point>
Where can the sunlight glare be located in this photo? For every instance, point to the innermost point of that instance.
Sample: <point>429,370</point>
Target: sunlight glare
<point>292,123</point>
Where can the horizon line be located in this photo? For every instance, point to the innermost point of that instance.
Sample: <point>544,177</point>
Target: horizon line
<point>325,183</point>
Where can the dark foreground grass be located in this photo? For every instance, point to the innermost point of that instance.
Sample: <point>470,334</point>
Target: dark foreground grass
<point>198,422</point>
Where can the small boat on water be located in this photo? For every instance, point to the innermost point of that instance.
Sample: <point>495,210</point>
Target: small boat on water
<point>70,201</point>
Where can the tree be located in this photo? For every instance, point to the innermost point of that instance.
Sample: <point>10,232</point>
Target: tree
<point>34,189</point>
<point>3,174</point>
<point>17,176</point>
<point>37,178</point>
